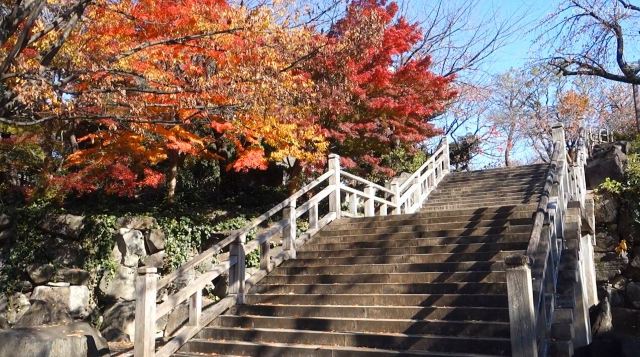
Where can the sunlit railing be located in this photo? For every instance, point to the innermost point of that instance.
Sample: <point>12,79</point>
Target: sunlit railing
<point>532,278</point>
<point>317,204</point>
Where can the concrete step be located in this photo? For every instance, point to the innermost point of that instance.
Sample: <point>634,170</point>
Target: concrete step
<point>450,248</point>
<point>446,199</point>
<point>360,339</point>
<point>200,347</point>
<point>498,170</point>
<point>495,200</point>
<point>503,188</point>
<point>497,212</point>
<point>412,327</point>
<point>496,180</point>
<point>406,278</point>
<point>434,223</point>
<point>377,312</point>
<point>472,205</point>
<point>391,268</point>
<point>451,300</point>
<point>383,288</point>
<point>415,242</point>
<point>445,190</point>
<point>404,258</point>
<point>510,236</point>
<point>428,231</point>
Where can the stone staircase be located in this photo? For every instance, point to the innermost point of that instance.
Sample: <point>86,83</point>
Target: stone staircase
<point>429,283</point>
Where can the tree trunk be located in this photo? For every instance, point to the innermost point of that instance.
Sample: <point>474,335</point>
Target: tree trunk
<point>636,105</point>
<point>507,149</point>
<point>172,176</point>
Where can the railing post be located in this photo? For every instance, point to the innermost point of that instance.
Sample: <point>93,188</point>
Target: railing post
<point>289,237</point>
<point>145,329</point>
<point>557,132</point>
<point>395,188</point>
<point>521,312</point>
<point>236,273</point>
<point>369,203</point>
<point>334,180</point>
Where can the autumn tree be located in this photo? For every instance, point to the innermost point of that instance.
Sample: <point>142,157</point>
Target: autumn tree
<point>595,38</point>
<point>369,101</point>
<point>222,76</point>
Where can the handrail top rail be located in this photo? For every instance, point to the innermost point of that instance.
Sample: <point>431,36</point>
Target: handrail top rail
<point>541,210</point>
<point>167,279</point>
<point>432,160</point>
<point>366,182</point>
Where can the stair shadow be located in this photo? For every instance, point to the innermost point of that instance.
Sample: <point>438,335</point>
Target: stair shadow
<point>428,313</point>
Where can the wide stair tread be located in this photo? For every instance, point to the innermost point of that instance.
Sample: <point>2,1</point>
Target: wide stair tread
<point>431,283</point>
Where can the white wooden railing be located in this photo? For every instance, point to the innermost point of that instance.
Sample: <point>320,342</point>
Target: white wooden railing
<point>532,278</point>
<point>320,202</point>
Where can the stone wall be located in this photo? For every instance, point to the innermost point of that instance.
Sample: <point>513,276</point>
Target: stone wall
<point>615,224</point>
<point>58,291</point>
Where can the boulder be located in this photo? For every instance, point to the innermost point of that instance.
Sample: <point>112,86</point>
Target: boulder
<point>73,276</point>
<point>154,260</point>
<point>130,247</point>
<point>65,253</point>
<point>118,322</point>
<point>633,294</point>
<point>77,339</point>
<point>7,234</point>
<point>606,209</point>
<point>137,222</point>
<point>44,312</point>
<point>605,242</point>
<point>75,298</point>
<point>607,160</point>
<point>627,225</point>
<point>41,273</point>
<point>5,221</point>
<point>65,225</point>
<point>14,307</point>
<point>609,265</point>
<point>155,240</point>
<point>624,146</point>
<point>120,285</point>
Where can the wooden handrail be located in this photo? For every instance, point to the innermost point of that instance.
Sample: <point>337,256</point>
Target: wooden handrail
<point>148,284</point>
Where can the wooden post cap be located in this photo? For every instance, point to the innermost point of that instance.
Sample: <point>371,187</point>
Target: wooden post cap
<point>514,261</point>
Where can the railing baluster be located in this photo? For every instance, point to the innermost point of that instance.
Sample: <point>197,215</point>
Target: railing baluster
<point>145,330</point>
<point>369,203</point>
<point>289,242</point>
<point>383,209</point>
<point>195,308</point>
<point>353,204</point>
<point>417,194</point>
<point>395,188</point>
<point>313,216</point>
<point>265,257</point>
